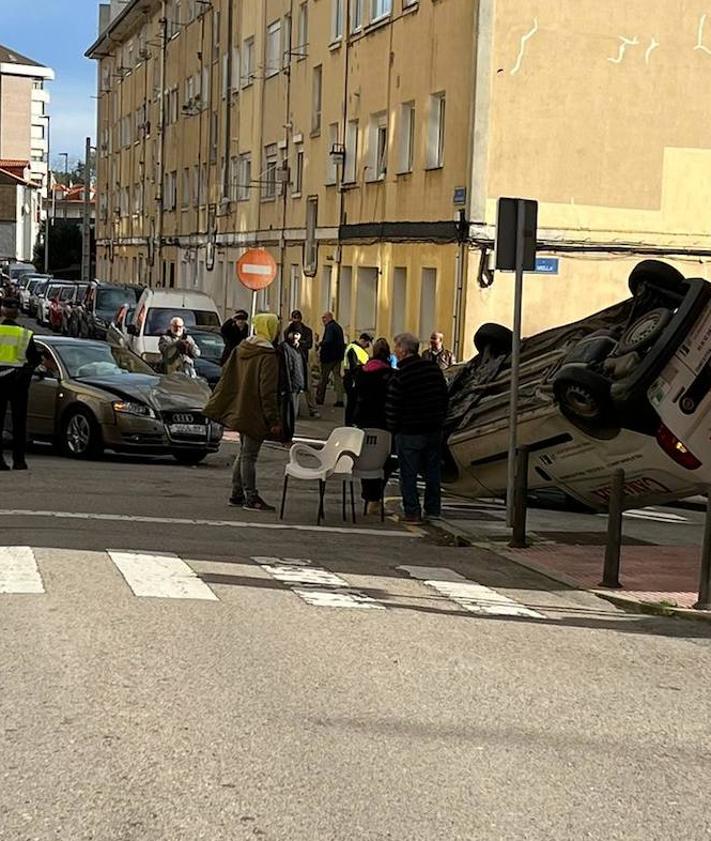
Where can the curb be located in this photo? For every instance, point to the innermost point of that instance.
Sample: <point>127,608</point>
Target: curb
<point>625,602</point>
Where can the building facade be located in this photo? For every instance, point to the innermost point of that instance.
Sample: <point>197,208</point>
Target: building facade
<point>327,132</point>
<point>20,201</point>
<point>24,122</point>
<point>349,137</point>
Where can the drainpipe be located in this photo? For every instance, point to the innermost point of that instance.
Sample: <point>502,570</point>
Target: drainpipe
<point>158,238</point>
<point>337,263</point>
<point>285,187</point>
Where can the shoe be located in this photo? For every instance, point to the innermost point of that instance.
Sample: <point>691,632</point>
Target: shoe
<point>237,500</point>
<point>373,508</point>
<point>19,465</point>
<point>257,504</point>
<point>339,404</point>
<point>4,465</point>
<point>315,415</point>
<point>412,519</point>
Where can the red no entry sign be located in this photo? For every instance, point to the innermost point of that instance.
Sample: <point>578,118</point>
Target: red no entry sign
<point>256,269</point>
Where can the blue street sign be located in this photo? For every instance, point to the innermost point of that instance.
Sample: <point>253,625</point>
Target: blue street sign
<point>460,195</point>
<point>547,265</point>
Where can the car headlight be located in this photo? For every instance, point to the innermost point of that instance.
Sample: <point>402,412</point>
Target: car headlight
<point>125,407</point>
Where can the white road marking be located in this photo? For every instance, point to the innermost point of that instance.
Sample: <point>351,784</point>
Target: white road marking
<point>18,570</point>
<point>473,597</point>
<point>160,576</point>
<point>316,586</point>
<point>232,524</point>
<point>657,516</point>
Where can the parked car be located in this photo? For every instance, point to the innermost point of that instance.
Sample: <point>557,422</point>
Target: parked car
<point>100,303</point>
<point>70,310</point>
<point>628,387</point>
<point>88,396</point>
<point>57,305</point>
<point>37,293</point>
<point>155,310</point>
<point>12,269</point>
<point>27,286</point>
<point>44,299</point>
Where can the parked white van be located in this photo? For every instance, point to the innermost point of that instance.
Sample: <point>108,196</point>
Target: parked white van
<point>156,308</point>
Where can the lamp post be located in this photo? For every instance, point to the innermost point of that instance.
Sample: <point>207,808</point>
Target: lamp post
<point>86,221</point>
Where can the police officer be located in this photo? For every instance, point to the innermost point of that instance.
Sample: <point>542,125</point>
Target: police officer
<point>18,357</point>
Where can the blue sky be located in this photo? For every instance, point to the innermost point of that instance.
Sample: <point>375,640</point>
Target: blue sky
<point>57,33</point>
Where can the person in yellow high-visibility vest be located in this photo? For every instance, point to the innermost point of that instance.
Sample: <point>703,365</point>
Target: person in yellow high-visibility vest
<point>355,357</point>
<point>18,357</point>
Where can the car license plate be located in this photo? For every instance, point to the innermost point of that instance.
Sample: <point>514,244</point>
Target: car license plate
<point>188,429</point>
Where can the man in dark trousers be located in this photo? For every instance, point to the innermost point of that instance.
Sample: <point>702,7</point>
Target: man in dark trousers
<point>18,357</point>
<point>416,408</point>
<point>234,331</point>
<point>355,357</point>
<point>296,325</point>
<point>331,350</point>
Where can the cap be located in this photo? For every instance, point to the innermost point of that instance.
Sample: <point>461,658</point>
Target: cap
<point>366,337</point>
<point>242,313</point>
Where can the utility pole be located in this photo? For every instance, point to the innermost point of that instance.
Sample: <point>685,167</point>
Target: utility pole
<point>86,222</point>
<point>65,155</point>
<point>47,219</point>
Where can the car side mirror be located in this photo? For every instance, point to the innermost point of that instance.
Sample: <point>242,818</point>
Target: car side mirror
<point>132,330</point>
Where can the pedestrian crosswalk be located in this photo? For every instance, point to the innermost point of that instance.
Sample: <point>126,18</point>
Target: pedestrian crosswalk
<point>167,576</point>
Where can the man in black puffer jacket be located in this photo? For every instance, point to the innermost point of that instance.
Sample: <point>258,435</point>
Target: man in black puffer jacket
<point>416,408</point>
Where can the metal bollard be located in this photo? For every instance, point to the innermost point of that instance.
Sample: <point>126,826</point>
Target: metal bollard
<point>611,570</point>
<point>704,602</point>
<point>520,501</point>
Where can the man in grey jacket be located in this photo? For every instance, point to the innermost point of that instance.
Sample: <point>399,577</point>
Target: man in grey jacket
<point>178,349</point>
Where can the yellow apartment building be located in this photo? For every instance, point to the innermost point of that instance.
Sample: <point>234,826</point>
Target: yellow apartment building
<point>349,137</point>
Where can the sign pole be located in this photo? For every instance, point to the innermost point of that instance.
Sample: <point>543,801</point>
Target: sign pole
<point>515,360</point>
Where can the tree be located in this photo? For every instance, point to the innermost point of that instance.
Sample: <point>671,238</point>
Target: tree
<point>64,249</point>
<point>75,173</point>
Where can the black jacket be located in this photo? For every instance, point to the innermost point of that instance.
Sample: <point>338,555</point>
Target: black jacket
<point>371,393</point>
<point>333,345</point>
<point>233,337</point>
<point>417,398</point>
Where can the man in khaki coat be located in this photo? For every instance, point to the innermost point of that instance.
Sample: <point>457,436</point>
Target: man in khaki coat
<point>246,399</point>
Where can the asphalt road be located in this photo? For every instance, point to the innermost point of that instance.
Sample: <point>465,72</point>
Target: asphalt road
<point>279,702</point>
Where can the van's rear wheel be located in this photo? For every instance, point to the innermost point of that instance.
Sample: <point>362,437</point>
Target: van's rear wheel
<point>645,331</point>
<point>583,394</point>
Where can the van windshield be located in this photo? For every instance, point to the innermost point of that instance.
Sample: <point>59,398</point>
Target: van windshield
<point>158,319</point>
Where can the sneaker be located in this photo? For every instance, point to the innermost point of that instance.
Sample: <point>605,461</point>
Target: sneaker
<point>237,500</point>
<point>257,504</point>
<point>373,508</point>
<point>315,415</point>
<point>19,465</point>
<point>411,519</point>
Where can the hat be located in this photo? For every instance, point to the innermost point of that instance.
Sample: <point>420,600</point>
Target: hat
<point>366,337</point>
<point>242,313</point>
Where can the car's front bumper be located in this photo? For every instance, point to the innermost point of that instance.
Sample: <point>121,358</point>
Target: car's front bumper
<point>151,435</point>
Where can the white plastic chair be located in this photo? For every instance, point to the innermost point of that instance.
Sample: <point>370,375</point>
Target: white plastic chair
<point>370,464</point>
<point>337,455</point>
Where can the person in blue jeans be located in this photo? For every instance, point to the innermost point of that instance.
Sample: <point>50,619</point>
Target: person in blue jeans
<point>416,408</point>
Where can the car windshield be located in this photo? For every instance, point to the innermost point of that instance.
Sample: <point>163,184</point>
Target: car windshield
<point>84,360</point>
<point>66,293</point>
<point>211,345</point>
<point>52,291</point>
<point>159,318</point>
<point>109,300</point>
<point>33,284</point>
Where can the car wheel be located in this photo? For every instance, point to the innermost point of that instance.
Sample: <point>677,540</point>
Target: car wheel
<point>189,457</point>
<point>644,332</point>
<point>658,274</point>
<point>81,435</point>
<point>494,336</point>
<point>583,394</point>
